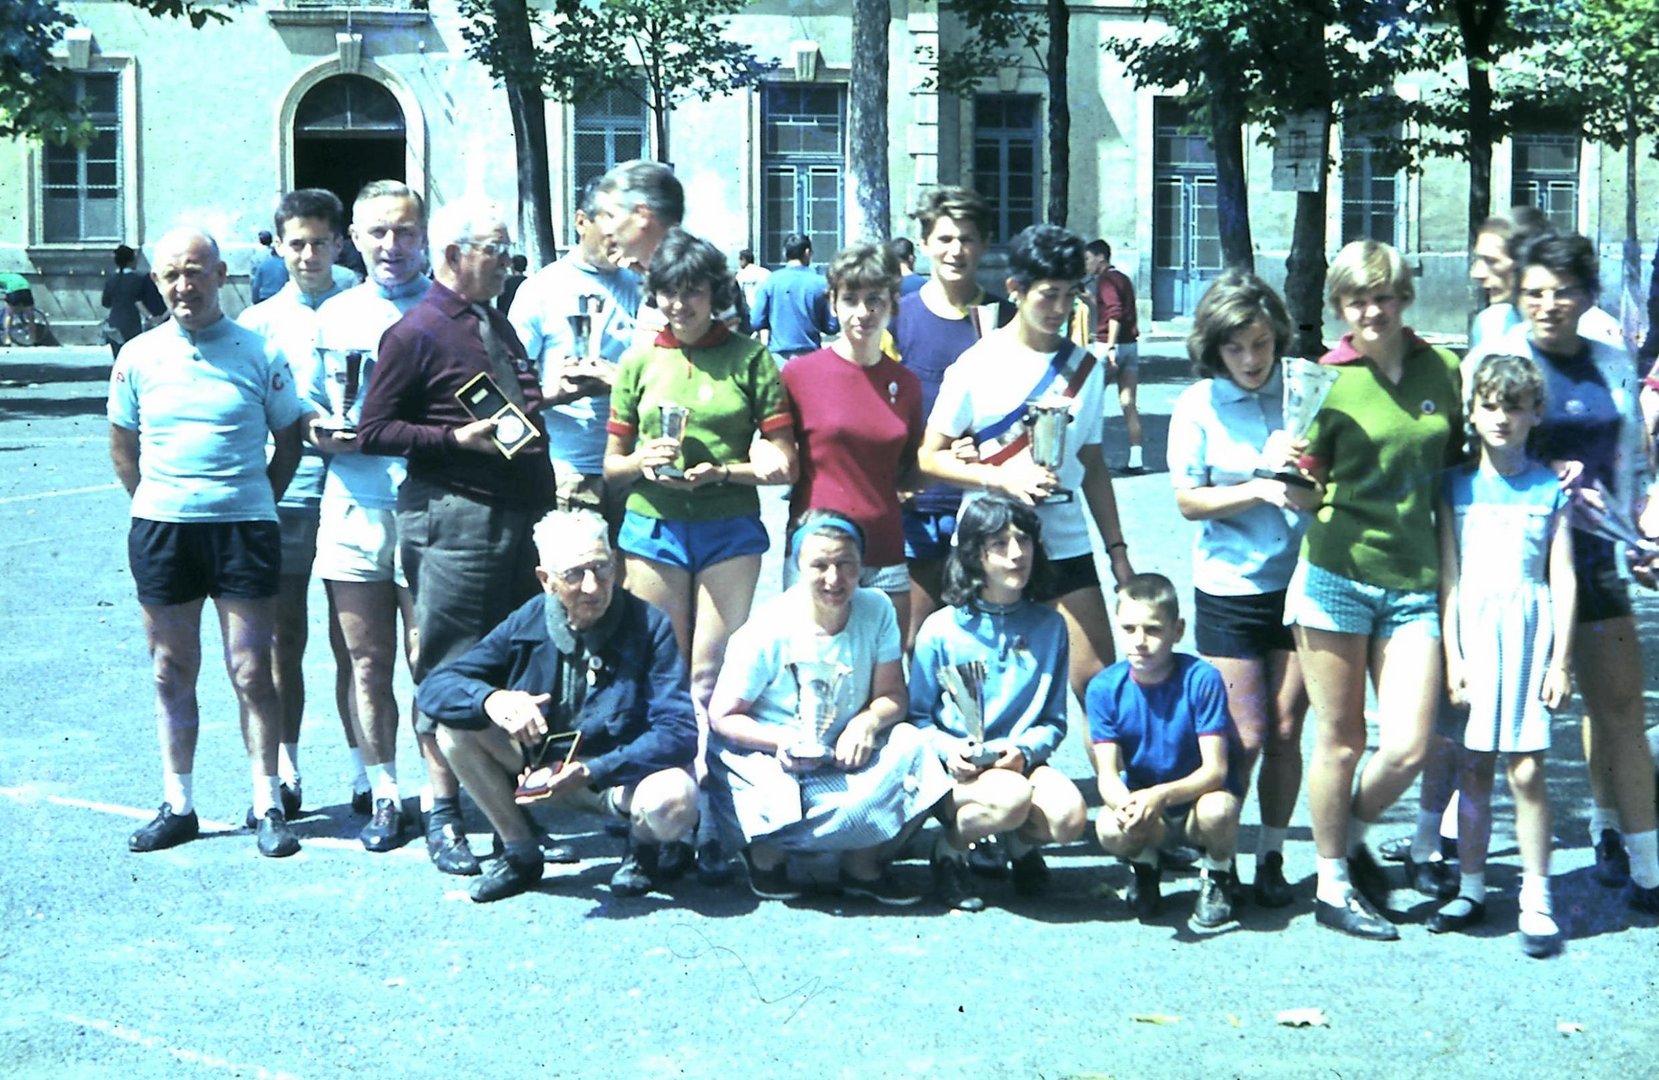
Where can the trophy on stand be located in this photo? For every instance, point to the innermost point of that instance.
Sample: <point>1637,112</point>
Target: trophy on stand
<point>1045,422</point>
<point>674,420</point>
<point>1307,384</point>
<point>965,683</point>
<point>583,341</point>
<point>818,688</point>
<point>345,383</point>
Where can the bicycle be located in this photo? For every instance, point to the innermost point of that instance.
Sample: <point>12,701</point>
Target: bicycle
<point>25,325</point>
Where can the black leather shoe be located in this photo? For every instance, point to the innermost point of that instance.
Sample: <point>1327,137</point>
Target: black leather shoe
<point>1355,917</point>
<point>675,860</point>
<point>362,803</point>
<point>1144,895</point>
<point>1612,861</point>
<point>504,877</point>
<point>1434,878</point>
<point>1458,913</point>
<point>165,830</point>
<point>1030,873</point>
<point>951,887</point>
<point>636,875</point>
<point>1369,877</point>
<point>1271,889</point>
<point>1643,900</point>
<point>276,836</point>
<point>988,858</point>
<point>1214,907</point>
<point>447,846</point>
<point>385,830</point>
<point>291,799</point>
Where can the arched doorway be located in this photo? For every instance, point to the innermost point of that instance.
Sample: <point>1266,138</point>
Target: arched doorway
<point>348,130</point>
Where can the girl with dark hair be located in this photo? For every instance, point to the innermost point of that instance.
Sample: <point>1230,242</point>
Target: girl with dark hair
<point>988,394</point>
<point>1592,435</point>
<point>1223,431</point>
<point>124,290</point>
<point>1006,655</point>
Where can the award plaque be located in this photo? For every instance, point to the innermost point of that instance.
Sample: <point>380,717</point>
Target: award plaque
<point>483,400</point>
<point>818,688</point>
<point>674,420</point>
<point>1307,384</point>
<point>965,683</point>
<point>536,781</point>
<point>344,370</point>
<point>1045,423</point>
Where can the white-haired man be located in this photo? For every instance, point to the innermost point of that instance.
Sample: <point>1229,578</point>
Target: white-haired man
<point>583,671</point>
<point>191,404</point>
<point>473,492</point>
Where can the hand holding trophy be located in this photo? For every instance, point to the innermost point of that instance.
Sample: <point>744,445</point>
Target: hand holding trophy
<point>1045,422</point>
<point>818,690</point>
<point>1306,386</point>
<point>674,420</point>
<point>344,370</point>
<point>965,683</point>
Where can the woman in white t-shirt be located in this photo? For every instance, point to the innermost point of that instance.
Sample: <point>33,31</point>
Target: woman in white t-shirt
<point>985,394</point>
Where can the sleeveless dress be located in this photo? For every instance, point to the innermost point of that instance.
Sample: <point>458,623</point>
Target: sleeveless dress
<point>1504,525</point>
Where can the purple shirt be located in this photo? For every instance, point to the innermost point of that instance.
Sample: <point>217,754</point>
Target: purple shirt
<point>410,409</point>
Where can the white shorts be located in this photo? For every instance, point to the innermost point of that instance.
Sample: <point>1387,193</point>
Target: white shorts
<point>356,543</point>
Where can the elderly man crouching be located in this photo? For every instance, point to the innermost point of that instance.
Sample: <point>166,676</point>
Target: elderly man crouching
<point>583,666</point>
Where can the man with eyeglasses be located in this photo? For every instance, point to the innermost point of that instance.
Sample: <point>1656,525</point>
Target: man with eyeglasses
<point>579,698</point>
<point>474,486</point>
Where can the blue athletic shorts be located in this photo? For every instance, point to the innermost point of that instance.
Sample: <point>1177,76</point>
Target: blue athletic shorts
<point>175,563</point>
<point>927,535</point>
<point>1321,600</point>
<point>692,546</point>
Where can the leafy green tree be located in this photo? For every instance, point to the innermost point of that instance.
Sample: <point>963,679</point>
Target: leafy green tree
<point>37,96</point>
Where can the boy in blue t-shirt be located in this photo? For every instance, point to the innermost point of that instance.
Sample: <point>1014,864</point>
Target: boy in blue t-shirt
<point>1163,743</point>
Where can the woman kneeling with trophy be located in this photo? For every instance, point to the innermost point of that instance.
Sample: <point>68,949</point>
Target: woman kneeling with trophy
<point>988,687</point>
<point>807,725</point>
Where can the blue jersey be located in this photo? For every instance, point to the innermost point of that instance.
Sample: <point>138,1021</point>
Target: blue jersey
<point>1157,727</point>
<point>289,320</point>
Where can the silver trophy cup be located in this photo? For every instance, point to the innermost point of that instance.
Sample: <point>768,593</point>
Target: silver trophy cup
<point>581,335</point>
<point>1045,423</point>
<point>674,420</point>
<point>344,368</point>
<point>818,690</point>
<point>1307,384</point>
<point>965,683</point>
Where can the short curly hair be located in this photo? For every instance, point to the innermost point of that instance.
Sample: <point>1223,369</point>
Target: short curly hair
<point>1045,253</point>
<point>684,260</point>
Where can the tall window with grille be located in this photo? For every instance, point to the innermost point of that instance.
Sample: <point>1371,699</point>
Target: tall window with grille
<point>1545,175</point>
<point>81,188</point>
<point>1370,184</point>
<point>606,129</point>
<point>1007,147</point>
<point>803,149</point>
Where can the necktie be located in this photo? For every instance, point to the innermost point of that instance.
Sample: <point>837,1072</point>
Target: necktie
<point>501,364</point>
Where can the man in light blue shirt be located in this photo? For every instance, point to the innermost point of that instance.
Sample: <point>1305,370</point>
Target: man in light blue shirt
<point>190,405</point>
<point>309,224</point>
<point>792,312</point>
<point>578,387</point>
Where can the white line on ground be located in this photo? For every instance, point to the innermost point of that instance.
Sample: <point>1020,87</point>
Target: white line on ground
<point>150,1042</point>
<point>56,494</point>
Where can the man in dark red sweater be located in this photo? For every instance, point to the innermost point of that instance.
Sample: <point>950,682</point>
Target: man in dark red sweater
<point>465,512</point>
<point>1115,328</point>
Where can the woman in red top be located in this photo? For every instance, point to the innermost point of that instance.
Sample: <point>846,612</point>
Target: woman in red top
<point>858,420</point>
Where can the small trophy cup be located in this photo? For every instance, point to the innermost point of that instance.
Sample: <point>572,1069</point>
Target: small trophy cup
<point>818,688</point>
<point>1307,384</point>
<point>965,683</point>
<point>1045,422</point>
<point>345,383</point>
<point>674,419</point>
<point>984,318</point>
<point>581,334</point>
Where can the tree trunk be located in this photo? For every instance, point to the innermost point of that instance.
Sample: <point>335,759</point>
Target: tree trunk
<point>1232,197</point>
<point>1059,112</point>
<point>528,110</point>
<point>1305,268</point>
<point>1477,52</point>
<point>869,198</point>
<point>1632,308</point>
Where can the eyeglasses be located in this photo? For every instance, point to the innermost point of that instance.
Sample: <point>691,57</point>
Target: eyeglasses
<point>491,249</point>
<point>601,571</point>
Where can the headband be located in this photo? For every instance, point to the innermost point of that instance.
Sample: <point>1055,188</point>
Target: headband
<point>826,522</point>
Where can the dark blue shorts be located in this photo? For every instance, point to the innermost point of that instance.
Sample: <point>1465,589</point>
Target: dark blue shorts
<point>1066,576</point>
<point>692,546</point>
<point>927,535</point>
<point>1602,593</point>
<point>1241,627</point>
<point>177,562</point>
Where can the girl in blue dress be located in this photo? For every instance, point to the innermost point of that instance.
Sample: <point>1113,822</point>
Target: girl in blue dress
<point>996,636</point>
<point>1508,591</point>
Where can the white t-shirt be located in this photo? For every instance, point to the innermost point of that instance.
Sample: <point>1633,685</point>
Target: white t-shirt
<point>998,375</point>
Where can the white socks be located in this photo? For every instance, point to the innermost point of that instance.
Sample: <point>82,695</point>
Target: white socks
<point>382,780</point>
<point>1134,457</point>
<point>1425,844</point>
<point>1602,818</point>
<point>267,794</point>
<point>1537,912</point>
<point>359,776</point>
<point>288,763</point>
<point>1473,886</point>
<point>1334,886</point>
<point>179,789</point>
<point>1270,839</point>
<point>1644,858</point>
